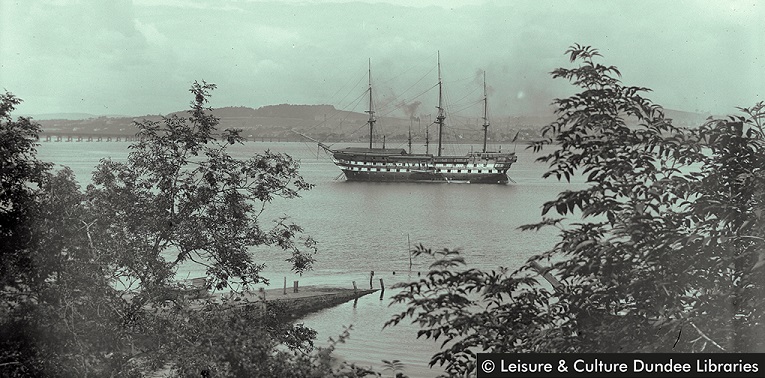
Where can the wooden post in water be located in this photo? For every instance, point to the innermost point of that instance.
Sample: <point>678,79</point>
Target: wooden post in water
<point>382,289</point>
<point>285,285</point>
<point>371,274</point>
<point>409,245</point>
<point>295,287</point>
<point>355,289</point>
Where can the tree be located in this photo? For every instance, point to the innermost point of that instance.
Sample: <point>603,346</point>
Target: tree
<point>727,229</point>
<point>88,284</point>
<point>181,198</point>
<point>669,245</point>
<point>21,176</point>
<point>55,313</point>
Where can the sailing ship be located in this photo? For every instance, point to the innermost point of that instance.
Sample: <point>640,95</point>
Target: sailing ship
<point>398,165</point>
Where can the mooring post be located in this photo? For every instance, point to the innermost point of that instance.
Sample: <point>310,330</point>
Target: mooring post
<point>295,287</point>
<point>371,275</point>
<point>355,289</point>
<point>409,245</point>
<point>382,286</point>
<point>285,285</point>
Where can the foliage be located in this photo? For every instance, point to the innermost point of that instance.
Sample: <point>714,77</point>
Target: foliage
<point>58,310</point>
<point>668,254</point>
<point>87,278</point>
<point>395,366</point>
<point>726,227</point>
<point>230,340</point>
<point>21,176</point>
<point>181,198</point>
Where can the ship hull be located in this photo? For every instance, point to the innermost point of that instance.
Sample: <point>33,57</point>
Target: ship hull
<point>425,177</point>
<point>381,165</point>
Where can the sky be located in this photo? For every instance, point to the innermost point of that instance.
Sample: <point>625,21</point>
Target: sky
<point>139,57</point>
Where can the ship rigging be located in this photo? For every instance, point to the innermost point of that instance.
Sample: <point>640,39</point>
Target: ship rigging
<point>398,165</point>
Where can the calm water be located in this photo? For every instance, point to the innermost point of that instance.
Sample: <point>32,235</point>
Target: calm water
<point>362,227</point>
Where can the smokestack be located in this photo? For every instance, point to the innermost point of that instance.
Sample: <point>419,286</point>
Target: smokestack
<point>410,109</point>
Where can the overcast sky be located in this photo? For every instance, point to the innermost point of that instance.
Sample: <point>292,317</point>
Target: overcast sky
<point>140,57</point>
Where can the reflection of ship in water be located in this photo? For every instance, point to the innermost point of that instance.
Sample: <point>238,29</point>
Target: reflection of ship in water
<point>398,165</point>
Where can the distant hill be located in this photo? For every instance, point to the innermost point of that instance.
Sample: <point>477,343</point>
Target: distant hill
<point>67,116</point>
<point>308,112</point>
<point>326,123</point>
<point>687,119</point>
<point>267,122</point>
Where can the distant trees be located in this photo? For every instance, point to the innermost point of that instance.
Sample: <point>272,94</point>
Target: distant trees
<point>669,254</point>
<point>87,278</point>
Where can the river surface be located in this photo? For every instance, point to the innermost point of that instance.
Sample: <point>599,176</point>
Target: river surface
<point>362,227</point>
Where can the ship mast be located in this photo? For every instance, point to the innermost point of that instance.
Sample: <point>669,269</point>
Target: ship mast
<point>440,117</point>
<point>371,111</point>
<point>410,135</point>
<point>427,136</point>
<point>485,113</point>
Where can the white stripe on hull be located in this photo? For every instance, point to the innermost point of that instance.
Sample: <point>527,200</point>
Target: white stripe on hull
<point>494,178</point>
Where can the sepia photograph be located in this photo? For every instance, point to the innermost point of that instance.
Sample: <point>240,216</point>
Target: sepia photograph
<point>382,188</point>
